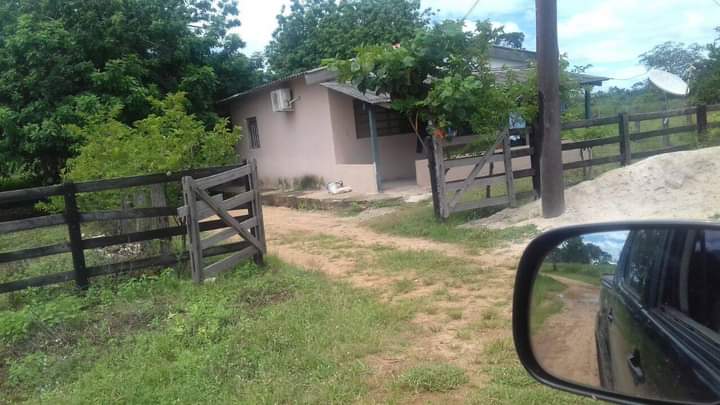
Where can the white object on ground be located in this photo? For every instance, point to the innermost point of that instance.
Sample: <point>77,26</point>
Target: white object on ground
<point>336,187</point>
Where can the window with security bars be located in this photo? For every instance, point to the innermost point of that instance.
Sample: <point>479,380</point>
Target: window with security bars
<point>252,129</point>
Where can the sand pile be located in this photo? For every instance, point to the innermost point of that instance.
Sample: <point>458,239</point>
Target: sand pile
<point>680,185</point>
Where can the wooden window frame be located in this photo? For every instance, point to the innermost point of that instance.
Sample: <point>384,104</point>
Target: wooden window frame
<point>254,136</point>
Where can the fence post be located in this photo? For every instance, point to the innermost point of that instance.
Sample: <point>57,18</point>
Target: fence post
<point>255,210</point>
<point>701,122</point>
<point>193,229</point>
<point>624,132</point>
<point>72,218</point>
<point>535,149</point>
<point>509,178</point>
<point>439,159</point>
<point>158,199</point>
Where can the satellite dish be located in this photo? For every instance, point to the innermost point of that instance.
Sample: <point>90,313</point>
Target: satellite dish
<point>668,82</point>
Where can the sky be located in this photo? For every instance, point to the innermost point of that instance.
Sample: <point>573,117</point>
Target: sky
<point>608,34</point>
<point>610,242</point>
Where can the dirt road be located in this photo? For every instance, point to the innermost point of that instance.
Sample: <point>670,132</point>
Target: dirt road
<point>458,317</point>
<point>565,344</point>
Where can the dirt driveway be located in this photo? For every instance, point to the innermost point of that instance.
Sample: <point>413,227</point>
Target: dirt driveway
<point>458,315</point>
<point>565,344</point>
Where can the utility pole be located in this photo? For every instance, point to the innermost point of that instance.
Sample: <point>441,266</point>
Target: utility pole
<point>548,55</point>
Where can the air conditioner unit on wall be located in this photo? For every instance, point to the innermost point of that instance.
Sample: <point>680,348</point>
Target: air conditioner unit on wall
<point>282,100</point>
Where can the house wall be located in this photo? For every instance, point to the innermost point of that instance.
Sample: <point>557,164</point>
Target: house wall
<point>292,144</point>
<point>397,152</point>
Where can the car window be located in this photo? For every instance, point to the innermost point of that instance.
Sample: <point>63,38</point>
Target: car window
<point>694,291</point>
<point>646,251</point>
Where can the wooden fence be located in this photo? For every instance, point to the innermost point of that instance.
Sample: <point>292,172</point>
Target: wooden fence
<point>448,155</point>
<point>74,219</point>
<point>199,205</point>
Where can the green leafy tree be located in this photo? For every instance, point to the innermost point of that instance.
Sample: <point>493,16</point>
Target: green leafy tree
<point>168,139</point>
<point>673,57</point>
<point>441,76</point>
<point>63,61</point>
<point>314,30</point>
<point>705,85</point>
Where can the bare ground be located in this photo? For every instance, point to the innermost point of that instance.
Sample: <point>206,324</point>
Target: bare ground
<point>458,319</point>
<point>565,345</point>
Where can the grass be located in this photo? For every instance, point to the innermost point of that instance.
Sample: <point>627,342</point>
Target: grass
<point>545,301</point>
<point>432,377</point>
<point>356,208</point>
<point>586,273</point>
<point>429,266</point>
<point>509,383</point>
<point>418,221</point>
<point>33,238</point>
<point>253,336</point>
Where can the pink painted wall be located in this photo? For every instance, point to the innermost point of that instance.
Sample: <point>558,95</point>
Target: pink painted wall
<point>397,152</point>
<point>292,144</point>
<point>318,139</point>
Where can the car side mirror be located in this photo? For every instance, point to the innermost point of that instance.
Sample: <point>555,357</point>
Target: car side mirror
<point>625,312</point>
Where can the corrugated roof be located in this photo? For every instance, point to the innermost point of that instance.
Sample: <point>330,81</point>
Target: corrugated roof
<point>500,52</point>
<point>269,84</point>
<point>522,74</point>
<point>352,91</point>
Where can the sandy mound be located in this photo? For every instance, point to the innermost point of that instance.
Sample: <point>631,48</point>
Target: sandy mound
<point>680,185</point>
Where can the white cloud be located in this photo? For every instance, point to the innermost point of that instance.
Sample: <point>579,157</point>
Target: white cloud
<point>258,22</point>
<point>484,9</point>
<point>509,26</point>
<point>609,34</point>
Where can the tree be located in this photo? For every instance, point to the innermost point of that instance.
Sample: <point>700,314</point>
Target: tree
<point>705,85</point>
<point>62,62</point>
<point>508,39</point>
<point>574,250</point>
<point>673,57</point>
<point>441,76</point>
<point>314,30</point>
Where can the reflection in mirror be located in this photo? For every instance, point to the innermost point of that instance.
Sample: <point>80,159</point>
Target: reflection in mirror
<point>634,312</point>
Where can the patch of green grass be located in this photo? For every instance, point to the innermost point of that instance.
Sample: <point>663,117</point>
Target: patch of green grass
<point>586,273</point>
<point>425,264</point>
<point>357,207</point>
<point>509,383</point>
<point>403,286</point>
<point>545,301</point>
<point>33,238</point>
<point>432,377</point>
<point>418,221</point>
<point>454,313</point>
<point>715,217</point>
<point>252,336</point>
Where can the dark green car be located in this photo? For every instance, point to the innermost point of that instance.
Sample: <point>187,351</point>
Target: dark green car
<point>658,325</point>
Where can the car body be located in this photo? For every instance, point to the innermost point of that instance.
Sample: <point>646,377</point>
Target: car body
<point>657,328</point>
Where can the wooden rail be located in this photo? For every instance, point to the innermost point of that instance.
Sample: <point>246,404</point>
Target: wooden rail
<point>240,192</point>
<point>448,192</point>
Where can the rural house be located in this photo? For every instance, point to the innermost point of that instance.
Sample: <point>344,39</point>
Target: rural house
<point>309,125</point>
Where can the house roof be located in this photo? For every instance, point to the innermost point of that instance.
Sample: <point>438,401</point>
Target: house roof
<point>270,84</point>
<point>352,91</point>
<point>522,74</point>
<point>324,77</point>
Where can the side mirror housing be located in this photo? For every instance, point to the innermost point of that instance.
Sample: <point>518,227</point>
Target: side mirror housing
<point>626,312</point>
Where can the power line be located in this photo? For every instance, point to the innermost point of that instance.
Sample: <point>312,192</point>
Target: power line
<point>475,5</point>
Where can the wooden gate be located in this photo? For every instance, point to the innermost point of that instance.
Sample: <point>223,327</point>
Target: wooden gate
<point>450,192</point>
<point>200,203</point>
